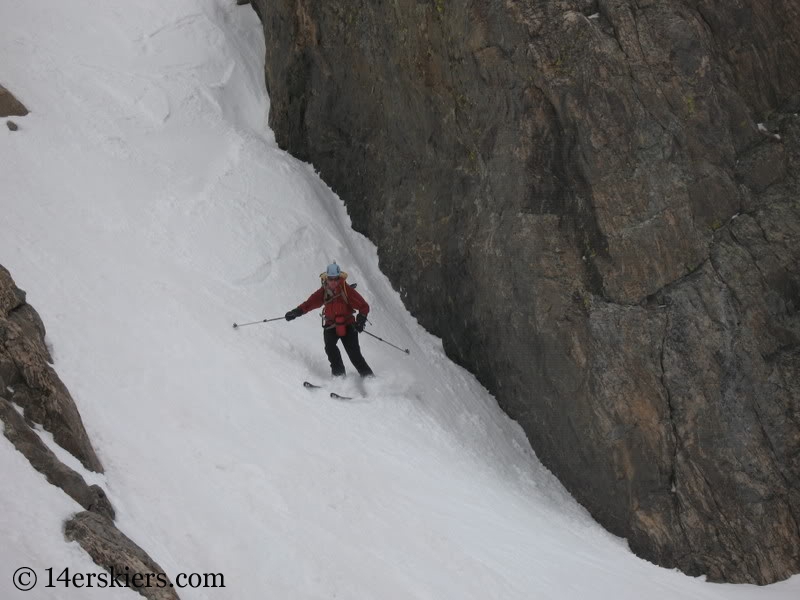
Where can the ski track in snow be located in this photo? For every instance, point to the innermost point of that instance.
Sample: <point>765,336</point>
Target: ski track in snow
<point>146,209</point>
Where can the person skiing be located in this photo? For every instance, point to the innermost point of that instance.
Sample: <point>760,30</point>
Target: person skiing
<point>340,301</point>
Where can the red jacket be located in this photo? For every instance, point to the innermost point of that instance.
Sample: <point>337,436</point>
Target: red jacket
<point>345,303</point>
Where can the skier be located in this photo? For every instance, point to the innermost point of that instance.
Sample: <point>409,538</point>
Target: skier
<point>340,301</point>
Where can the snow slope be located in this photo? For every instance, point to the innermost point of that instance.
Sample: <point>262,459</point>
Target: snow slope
<point>146,208</point>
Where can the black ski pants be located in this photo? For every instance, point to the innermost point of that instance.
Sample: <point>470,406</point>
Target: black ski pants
<point>351,346</point>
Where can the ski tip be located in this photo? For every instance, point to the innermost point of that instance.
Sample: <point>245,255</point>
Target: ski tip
<point>309,385</point>
<point>338,397</point>
<point>235,326</point>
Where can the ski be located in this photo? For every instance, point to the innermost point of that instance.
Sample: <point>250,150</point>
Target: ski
<point>334,395</point>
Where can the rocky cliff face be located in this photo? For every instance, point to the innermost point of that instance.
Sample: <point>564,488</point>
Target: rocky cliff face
<point>596,205</point>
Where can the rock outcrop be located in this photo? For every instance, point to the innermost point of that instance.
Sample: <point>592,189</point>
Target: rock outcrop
<point>119,555</point>
<point>596,205</point>
<point>29,382</point>
<point>9,105</point>
<point>42,459</point>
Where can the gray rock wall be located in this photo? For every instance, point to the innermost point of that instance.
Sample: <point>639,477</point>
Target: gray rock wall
<point>577,197</point>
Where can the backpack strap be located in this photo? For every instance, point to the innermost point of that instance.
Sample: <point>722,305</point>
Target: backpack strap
<point>326,298</point>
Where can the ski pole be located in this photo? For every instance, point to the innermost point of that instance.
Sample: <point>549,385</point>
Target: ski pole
<point>237,325</point>
<point>406,350</point>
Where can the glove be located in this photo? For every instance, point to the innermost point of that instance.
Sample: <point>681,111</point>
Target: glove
<point>293,314</point>
<point>361,322</point>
